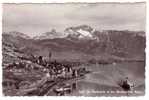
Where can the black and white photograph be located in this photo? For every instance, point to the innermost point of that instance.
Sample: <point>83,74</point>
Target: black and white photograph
<point>74,49</point>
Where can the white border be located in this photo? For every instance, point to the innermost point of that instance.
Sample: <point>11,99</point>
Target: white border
<point>80,98</point>
<point>64,1</point>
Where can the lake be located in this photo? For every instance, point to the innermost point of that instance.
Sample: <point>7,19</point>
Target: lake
<point>103,80</point>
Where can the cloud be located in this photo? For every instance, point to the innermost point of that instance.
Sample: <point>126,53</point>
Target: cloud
<point>38,18</point>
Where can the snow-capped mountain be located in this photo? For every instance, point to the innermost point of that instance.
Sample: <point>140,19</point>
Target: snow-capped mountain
<point>17,34</point>
<point>49,35</point>
<point>80,32</point>
<point>82,39</point>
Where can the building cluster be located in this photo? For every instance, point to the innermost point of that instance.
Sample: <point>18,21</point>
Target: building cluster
<point>51,69</point>
<point>56,69</point>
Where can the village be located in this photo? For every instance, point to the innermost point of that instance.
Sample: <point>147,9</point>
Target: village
<point>36,74</point>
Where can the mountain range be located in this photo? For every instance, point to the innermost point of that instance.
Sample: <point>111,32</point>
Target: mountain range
<point>81,42</point>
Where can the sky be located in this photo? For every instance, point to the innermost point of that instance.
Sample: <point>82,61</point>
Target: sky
<point>34,19</point>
